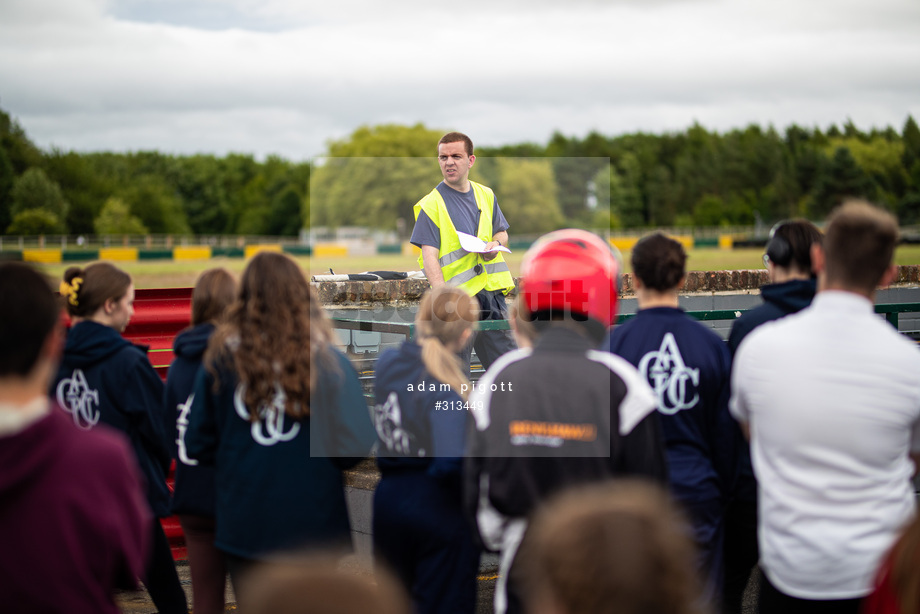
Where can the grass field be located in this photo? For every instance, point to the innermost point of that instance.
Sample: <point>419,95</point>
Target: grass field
<point>169,274</point>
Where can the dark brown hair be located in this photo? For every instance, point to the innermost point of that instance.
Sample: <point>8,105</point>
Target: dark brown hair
<point>28,314</point>
<point>214,291</point>
<point>659,262</point>
<point>620,546</point>
<point>859,244</point>
<point>790,245</point>
<point>86,290</point>
<point>458,137</point>
<point>271,335</point>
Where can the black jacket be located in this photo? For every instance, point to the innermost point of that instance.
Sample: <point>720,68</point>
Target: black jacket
<point>559,415</point>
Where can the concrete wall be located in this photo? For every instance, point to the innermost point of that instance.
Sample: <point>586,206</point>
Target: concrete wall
<point>397,301</point>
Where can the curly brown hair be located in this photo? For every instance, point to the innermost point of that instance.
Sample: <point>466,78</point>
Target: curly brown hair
<point>271,335</point>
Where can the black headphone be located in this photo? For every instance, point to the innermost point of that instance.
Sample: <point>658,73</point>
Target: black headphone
<point>779,251</point>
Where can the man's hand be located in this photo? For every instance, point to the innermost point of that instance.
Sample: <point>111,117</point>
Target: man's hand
<point>500,239</point>
<point>490,255</point>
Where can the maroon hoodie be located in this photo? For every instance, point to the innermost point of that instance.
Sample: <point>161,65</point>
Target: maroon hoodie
<point>74,523</point>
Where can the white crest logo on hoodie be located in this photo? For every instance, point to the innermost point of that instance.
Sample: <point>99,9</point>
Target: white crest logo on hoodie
<point>269,428</point>
<point>673,381</point>
<point>82,402</point>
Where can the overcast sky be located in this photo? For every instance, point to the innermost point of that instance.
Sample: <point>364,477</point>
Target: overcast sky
<point>286,76</point>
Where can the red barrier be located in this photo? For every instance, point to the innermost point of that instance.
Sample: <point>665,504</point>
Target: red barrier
<point>159,314</point>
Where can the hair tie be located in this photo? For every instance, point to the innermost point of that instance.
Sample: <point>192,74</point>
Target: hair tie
<point>70,289</point>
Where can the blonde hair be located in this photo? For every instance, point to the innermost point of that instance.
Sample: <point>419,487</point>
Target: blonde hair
<point>445,313</point>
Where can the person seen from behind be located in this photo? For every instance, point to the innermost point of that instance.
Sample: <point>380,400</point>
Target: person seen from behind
<point>792,287</point>
<point>831,399</point>
<point>618,546</point>
<point>688,367</point>
<point>74,523</point>
<point>104,378</point>
<point>193,492</point>
<point>421,415</point>
<point>280,414</point>
<point>318,584</point>
<point>562,413</point>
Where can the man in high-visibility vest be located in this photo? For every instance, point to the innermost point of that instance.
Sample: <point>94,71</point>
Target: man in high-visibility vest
<point>460,205</point>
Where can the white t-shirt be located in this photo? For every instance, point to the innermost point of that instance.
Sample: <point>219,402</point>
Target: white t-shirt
<point>832,397</point>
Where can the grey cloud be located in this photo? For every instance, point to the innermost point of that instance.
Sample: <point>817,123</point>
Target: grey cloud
<point>126,80</point>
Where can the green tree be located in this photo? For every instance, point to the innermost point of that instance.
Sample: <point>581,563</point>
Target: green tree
<point>22,153</point>
<point>374,177</point>
<point>81,185</point>
<point>910,159</point>
<point>284,216</point>
<point>662,198</point>
<point>116,219</point>
<point>34,190</point>
<point>155,204</point>
<point>625,196</point>
<point>841,178</point>
<point>528,198</point>
<point>7,179</point>
<point>35,222</point>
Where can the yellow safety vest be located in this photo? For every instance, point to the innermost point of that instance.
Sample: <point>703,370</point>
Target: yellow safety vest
<point>461,268</point>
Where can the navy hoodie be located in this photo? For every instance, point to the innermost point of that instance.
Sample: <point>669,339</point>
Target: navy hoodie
<point>105,378</point>
<point>193,492</point>
<point>688,367</point>
<point>417,429</point>
<point>778,300</point>
<point>278,480</point>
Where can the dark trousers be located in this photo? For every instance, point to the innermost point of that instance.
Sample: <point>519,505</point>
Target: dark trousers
<point>772,601</point>
<point>422,536</point>
<point>740,552</point>
<point>489,344</point>
<point>162,580</point>
<point>206,564</point>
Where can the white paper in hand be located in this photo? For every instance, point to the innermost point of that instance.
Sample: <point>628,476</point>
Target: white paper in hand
<point>477,245</point>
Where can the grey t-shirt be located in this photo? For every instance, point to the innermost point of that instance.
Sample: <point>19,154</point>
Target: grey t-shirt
<point>463,213</point>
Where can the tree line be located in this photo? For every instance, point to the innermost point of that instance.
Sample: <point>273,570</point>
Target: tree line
<point>57,192</point>
<point>372,178</point>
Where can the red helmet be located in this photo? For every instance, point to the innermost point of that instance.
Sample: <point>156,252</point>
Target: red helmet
<point>572,272</point>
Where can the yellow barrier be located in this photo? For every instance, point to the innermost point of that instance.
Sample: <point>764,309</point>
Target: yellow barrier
<point>191,253</point>
<point>726,241</point>
<point>122,254</point>
<point>44,256</point>
<point>252,250</point>
<point>626,244</point>
<point>411,250</point>
<point>329,250</point>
